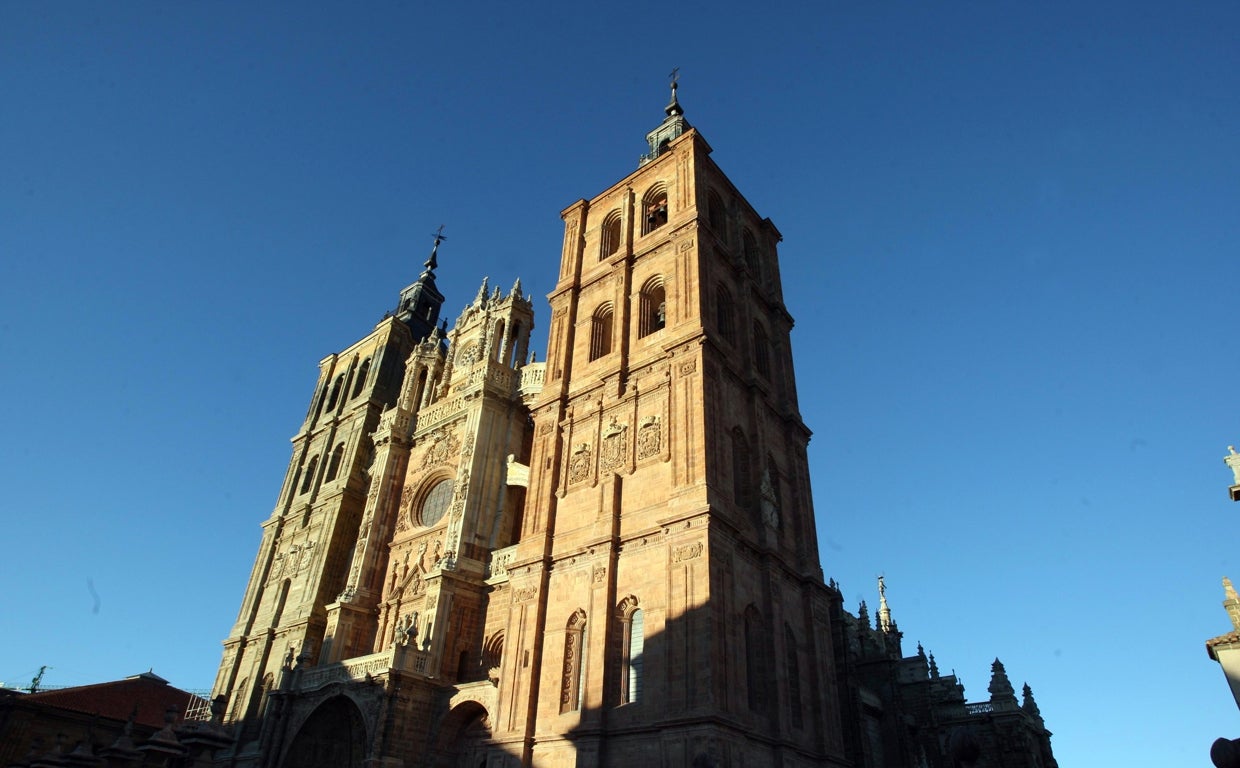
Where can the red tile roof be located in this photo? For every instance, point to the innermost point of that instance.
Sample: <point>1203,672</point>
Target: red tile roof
<point>150,693</point>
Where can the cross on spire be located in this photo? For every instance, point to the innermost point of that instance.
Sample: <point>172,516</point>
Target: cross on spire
<point>433,262</point>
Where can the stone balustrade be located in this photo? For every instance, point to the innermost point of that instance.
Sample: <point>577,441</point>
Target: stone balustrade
<point>497,572</point>
<point>532,378</point>
<point>402,658</point>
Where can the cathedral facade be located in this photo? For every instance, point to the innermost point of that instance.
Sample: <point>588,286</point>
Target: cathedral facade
<point>602,559</point>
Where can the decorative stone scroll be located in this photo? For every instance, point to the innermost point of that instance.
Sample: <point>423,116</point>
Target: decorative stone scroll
<point>615,446</point>
<point>688,367</point>
<point>649,437</point>
<point>580,464</point>
<point>524,594</point>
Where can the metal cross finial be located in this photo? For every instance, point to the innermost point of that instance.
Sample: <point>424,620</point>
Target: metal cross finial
<point>439,235</point>
<point>675,75</point>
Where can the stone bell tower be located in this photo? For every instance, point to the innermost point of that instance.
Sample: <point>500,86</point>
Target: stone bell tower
<point>302,583</point>
<point>667,600</point>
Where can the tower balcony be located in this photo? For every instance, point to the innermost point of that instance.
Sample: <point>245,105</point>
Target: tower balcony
<point>400,658</point>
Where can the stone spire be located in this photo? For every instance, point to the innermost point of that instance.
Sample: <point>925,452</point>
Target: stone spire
<point>420,301</point>
<point>934,667</point>
<point>673,108</point>
<point>1028,704</point>
<point>1000,687</point>
<point>1231,603</point>
<point>884,610</point>
<point>863,616</point>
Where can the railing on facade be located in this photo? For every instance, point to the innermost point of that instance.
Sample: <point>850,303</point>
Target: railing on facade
<point>532,378</point>
<point>439,411</point>
<point>400,657</point>
<point>497,570</point>
<point>395,419</point>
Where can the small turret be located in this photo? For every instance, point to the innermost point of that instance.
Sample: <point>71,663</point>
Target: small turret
<point>934,667</point>
<point>1028,704</point>
<point>1231,603</point>
<point>884,611</point>
<point>480,301</point>
<point>1232,460</point>
<point>1000,687</point>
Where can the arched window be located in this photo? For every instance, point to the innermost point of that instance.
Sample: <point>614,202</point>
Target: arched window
<point>632,643</point>
<point>420,390</point>
<point>752,259</point>
<point>792,668</point>
<point>717,215</point>
<point>772,473</point>
<point>757,650</point>
<point>239,700</point>
<point>742,484</point>
<point>725,314</point>
<point>331,401</point>
<point>653,308</point>
<point>574,662</point>
<point>601,332</point>
<point>362,372</point>
<point>307,480</point>
<point>761,352</point>
<point>611,235</point>
<point>333,466</point>
<point>654,209</point>
<point>435,505</point>
<point>497,341</point>
<point>281,599</point>
<point>493,650</point>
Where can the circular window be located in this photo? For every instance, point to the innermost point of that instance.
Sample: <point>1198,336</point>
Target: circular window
<point>436,503</point>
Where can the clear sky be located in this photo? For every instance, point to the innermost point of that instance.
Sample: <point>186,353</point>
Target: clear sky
<point>1010,244</point>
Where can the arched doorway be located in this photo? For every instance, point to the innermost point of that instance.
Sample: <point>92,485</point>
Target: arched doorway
<point>334,736</point>
<point>464,737</point>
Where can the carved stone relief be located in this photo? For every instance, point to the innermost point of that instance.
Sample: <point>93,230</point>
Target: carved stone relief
<point>444,447</point>
<point>649,437</point>
<point>580,464</point>
<point>687,552</point>
<point>615,446</point>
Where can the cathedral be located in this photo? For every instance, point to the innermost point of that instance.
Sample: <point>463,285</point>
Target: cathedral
<point>605,558</point>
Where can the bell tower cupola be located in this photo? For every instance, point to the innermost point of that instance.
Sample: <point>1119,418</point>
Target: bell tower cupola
<point>672,126</point>
<point>420,302</point>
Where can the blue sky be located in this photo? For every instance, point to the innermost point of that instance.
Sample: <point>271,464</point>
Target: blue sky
<point>1010,244</point>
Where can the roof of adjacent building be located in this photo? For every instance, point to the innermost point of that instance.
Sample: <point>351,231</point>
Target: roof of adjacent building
<point>147,694</point>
